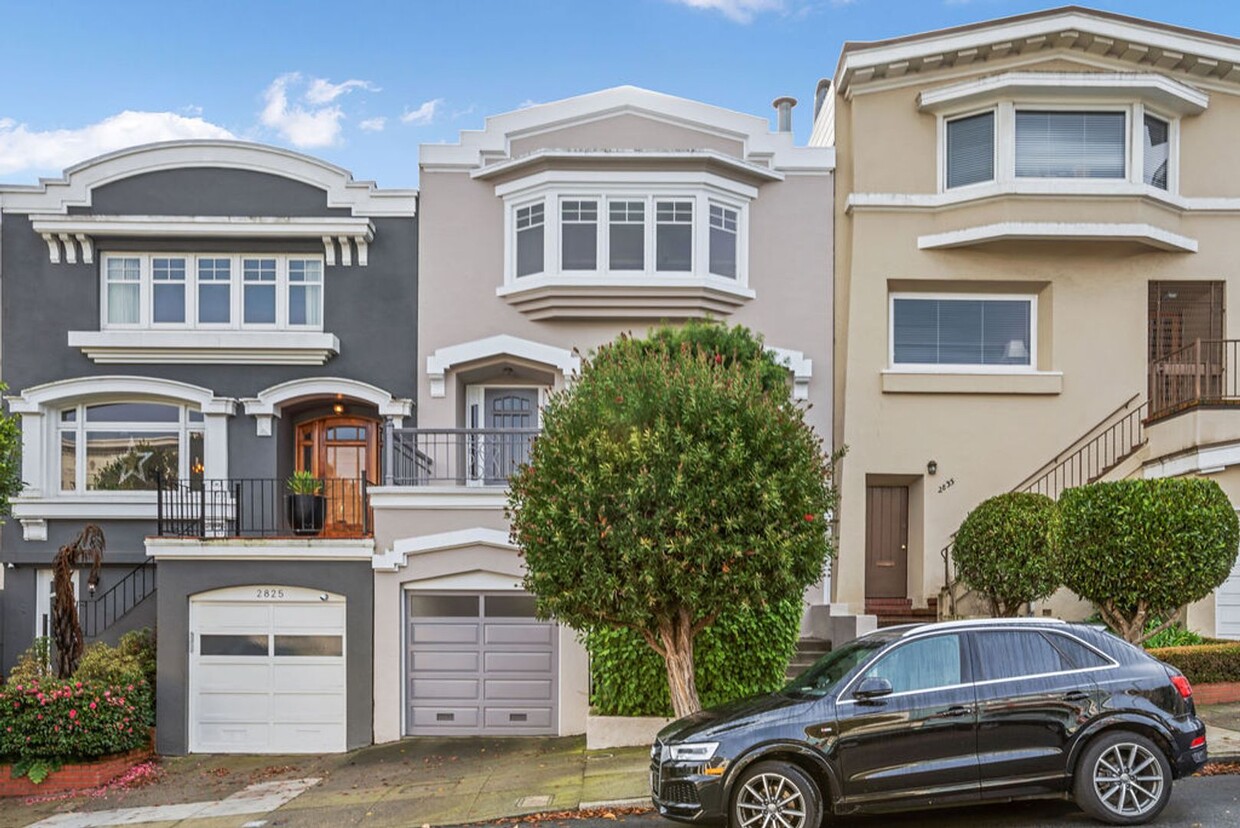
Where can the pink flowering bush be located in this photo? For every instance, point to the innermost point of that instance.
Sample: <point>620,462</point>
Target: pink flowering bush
<point>49,721</point>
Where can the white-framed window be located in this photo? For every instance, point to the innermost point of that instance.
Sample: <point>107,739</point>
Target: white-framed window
<point>1111,147</point>
<point>970,149</point>
<point>628,234</point>
<point>126,445</point>
<point>183,291</point>
<point>956,332</point>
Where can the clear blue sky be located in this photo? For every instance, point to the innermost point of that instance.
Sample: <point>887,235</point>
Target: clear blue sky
<point>86,77</point>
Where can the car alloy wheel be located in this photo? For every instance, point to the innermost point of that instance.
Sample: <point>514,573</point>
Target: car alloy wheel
<point>1128,779</point>
<point>774,795</point>
<point>1123,778</point>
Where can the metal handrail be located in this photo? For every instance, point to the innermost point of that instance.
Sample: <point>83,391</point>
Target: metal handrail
<point>101,612</point>
<point>456,456</point>
<point>263,508</point>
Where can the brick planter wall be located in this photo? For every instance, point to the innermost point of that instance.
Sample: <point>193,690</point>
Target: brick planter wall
<point>73,777</point>
<point>1221,693</point>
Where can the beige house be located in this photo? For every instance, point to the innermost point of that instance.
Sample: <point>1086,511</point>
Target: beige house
<point>548,232</point>
<point>1036,246</point>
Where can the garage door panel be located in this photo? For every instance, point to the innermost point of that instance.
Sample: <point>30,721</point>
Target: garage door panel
<point>325,677</point>
<point>503,689</point>
<point>518,662</point>
<point>430,716</point>
<point>445,633</point>
<point>518,717</point>
<point>518,634</point>
<point>457,662</point>
<point>316,708</point>
<point>444,688</point>
<point>227,738</point>
<point>214,675</point>
<point>307,616</point>
<point>306,738</point>
<point>234,707</point>
<point>233,616</point>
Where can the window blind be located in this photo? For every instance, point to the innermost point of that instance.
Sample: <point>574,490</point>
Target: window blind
<point>1157,151</point>
<point>962,332</point>
<point>971,150</point>
<point>1070,144</point>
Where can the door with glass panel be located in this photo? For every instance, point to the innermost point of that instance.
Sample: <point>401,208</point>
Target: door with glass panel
<point>508,419</point>
<point>342,452</point>
<point>1181,314</point>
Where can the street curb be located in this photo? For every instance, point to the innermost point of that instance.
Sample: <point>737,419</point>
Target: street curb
<point>1224,759</point>
<point>615,803</point>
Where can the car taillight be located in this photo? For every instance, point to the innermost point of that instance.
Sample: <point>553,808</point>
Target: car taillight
<point>1181,684</point>
<point>1199,742</point>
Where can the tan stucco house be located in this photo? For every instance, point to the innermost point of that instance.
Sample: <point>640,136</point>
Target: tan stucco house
<point>1035,250</point>
<point>553,229</point>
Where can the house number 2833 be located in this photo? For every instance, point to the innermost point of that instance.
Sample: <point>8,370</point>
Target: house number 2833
<point>947,484</point>
<point>268,593</point>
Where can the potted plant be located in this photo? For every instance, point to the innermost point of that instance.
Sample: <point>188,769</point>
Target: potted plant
<point>307,507</point>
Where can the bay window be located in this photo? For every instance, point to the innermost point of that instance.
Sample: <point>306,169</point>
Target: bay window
<point>128,446</point>
<point>963,332</point>
<point>187,292</point>
<point>579,235</point>
<point>673,236</point>
<point>627,235</point>
<point>530,221</point>
<point>723,237</point>
<point>971,149</point>
<point>1070,144</point>
<point>1157,154</point>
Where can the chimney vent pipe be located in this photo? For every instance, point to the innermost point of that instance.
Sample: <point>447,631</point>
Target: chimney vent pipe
<point>783,106</point>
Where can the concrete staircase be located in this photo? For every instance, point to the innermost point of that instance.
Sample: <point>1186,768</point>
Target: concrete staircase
<point>892,612</point>
<point>808,651</point>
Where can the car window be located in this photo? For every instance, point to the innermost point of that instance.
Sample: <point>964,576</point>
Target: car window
<point>922,664</point>
<point>1006,654</point>
<point>827,671</point>
<point>1076,653</point>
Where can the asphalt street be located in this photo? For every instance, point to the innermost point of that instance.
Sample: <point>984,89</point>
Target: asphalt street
<point>1199,802</point>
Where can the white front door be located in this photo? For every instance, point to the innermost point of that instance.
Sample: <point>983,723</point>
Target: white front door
<point>267,671</point>
<point>44,597</point>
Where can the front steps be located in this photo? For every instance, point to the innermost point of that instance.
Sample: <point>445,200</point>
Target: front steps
<point>808,651</point>
<point>893,612</point>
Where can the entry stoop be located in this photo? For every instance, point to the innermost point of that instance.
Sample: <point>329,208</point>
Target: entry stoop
<point>808,651</point>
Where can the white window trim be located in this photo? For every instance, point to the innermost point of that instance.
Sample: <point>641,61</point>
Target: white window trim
<point>648,190</point>
<point>1006,180</point>
<point>236,285</point>
<point>79,428</point>
<point>922,368</point>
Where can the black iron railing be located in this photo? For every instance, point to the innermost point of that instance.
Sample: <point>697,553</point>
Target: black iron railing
<point>96,614</point>
<point>455,456</point>
<point>263,508</point>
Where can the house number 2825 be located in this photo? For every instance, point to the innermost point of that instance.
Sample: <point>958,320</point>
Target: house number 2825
<point>268,593</point>
<point>947,484</point>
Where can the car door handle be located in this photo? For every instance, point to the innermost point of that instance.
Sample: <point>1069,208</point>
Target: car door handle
<point>1076,695</point>
<point>954,712</point>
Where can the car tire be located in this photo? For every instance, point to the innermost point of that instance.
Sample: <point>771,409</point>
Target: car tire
<point>1122,778</point>
<point>770,788</point>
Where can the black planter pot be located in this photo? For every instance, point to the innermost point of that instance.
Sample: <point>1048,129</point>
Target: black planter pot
<point>306,513</point>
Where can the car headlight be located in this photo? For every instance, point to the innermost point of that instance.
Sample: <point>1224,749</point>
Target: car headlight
<point>693,752</point>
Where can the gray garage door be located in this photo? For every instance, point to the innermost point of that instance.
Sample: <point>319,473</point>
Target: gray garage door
<point>480,664</point>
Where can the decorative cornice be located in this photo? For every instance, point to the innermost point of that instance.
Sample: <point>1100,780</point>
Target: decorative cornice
<point>398,556</point>
<point>624,298</point>
<point>206,347</point>
<point>33,400</point>
<point>270,401</point>
<point>1146,234</point>
<point>1162,91</point>
<point>444,359</point>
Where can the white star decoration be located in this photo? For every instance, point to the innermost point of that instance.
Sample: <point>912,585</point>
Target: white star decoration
<point>137,466</point>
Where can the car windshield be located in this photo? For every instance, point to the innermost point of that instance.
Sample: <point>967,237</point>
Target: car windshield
<point>827,672</point>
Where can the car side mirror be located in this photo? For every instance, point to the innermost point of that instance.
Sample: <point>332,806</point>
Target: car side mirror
<point>872,687</point>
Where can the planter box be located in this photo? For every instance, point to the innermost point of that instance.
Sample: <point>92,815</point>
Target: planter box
<point>1225,692</point>
<point>622,731</point>
<point>73,777</point>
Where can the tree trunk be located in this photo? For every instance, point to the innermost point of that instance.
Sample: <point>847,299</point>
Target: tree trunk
<point>677,639</point>
<point>1130,628</point>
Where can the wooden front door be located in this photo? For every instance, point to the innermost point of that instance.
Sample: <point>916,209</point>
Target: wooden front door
<point>886,542</point>
<point>342,451</point>
<point>1180,313</point>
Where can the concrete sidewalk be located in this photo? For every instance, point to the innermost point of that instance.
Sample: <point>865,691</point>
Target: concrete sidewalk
<point>1222,730</point>
<point>414,782</point>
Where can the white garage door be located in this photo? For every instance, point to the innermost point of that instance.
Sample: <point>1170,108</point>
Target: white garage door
<point>480,664</point>
<point>1227,606</point>
<point>267,671</point>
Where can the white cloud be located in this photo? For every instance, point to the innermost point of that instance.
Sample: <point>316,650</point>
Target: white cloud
<point>373,124</point>
<point>527,103</point>
<point>739,11</point>
<point>22,148</point>
<point>302,127</point>
<point>424,114</point>
<point>322,91</point>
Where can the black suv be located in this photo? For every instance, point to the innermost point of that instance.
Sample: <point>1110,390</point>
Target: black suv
<point>941,714</point>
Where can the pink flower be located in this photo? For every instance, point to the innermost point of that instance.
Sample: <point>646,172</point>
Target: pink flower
<point>92,705</point>
<point>72,714</point>
<point>78,685</point>
<point>131,688</point>
<point>107,694</point>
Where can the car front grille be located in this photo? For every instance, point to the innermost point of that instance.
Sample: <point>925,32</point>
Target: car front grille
<point>680,793</point>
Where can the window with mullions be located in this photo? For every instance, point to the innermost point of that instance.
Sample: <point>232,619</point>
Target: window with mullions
<point>168,291</point>
<point>578,235</point>
<point>627,235</point>
<point>214,291</point>
<point>530,220</point>
<point>305,292</point>
<point>123,277</point>
<point>259,297</point>
<point>673,236</point>
<point>128,446</point>
<point>966,331</point>
<point>723,236</point>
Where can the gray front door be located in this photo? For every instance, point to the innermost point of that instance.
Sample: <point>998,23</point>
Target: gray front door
<point>480,663</point>
<point>511,415</point>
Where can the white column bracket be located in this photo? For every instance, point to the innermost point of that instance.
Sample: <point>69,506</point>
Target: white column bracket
<point>329,251</point>
<point>346,251</point>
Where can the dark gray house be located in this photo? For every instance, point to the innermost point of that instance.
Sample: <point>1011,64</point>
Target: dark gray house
<point>185,328</point>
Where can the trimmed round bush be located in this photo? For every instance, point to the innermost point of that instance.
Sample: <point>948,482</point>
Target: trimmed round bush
<point>1144,548</point>
<point>1003,550</point>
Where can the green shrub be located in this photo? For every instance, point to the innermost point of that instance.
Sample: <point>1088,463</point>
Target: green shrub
<point>1003,550</point>
<point>1204,663</point>
<point>121,666</point>
<point>48,722</point>
<point>141,645</point>
<point>34,664</point>
<point>1174,636</point>
<point>742,654</point>
<point>1143,548</point>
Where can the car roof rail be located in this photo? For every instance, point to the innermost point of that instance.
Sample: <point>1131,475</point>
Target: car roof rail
<point>967,623</point>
